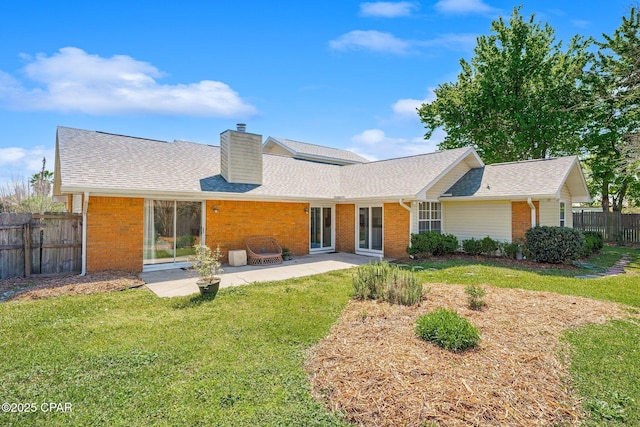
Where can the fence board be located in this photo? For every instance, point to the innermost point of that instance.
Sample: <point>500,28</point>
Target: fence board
<point>40,244</point>
<point>614,226</point>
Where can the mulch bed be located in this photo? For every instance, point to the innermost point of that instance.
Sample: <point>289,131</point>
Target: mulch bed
<point>39,287</point>
<point>373,367</point>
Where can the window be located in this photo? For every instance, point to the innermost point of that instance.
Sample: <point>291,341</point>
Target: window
<point>429,217</point>
<point>562,214</point>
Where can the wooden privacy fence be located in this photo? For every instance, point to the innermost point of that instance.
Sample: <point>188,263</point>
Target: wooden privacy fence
<point>614,226</point>
<point>40,244</point>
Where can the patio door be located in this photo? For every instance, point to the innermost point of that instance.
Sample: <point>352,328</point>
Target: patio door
<point>369,230</point>
<point>321,232</point>
<point>171,231</point>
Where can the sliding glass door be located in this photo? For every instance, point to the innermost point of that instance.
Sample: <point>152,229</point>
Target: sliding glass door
<point>171,230</point>
<point>321,229</point>
<point>370,229</point>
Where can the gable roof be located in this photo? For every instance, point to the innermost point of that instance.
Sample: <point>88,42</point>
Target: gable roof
<point>312,152</point>
<point>542,178</point>
<point>109,164</point>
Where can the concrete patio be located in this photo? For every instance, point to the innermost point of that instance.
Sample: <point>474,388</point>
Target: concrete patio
<point>178,282</point>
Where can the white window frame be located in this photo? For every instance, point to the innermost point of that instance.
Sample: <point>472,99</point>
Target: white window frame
<point>371,252</point>
<point>425,216</point>
<point>333,229</point>
<point>562,213</point>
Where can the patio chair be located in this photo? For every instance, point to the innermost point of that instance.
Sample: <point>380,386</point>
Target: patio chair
<point>263,250</point>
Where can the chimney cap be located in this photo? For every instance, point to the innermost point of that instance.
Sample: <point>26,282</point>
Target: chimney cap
<point>241,127</point>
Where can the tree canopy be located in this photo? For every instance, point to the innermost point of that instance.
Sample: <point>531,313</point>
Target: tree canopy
<point>517,97</point>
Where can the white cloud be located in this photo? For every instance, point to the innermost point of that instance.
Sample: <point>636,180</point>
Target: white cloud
<point>452,41</point>
<point>406,108</point>
<point>580,23</point>
<point>464,6</point>
<point>375,41</point>
<point>17,163</point>
<point>374,144</point>
<point>73,80</point>
<point>386,9</point>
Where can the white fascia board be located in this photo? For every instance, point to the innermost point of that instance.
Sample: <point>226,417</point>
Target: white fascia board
<point>194,195</point>
<point>513,198</point>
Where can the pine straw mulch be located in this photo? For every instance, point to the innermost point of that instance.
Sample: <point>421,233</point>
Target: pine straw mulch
<point>67,284</point>
<point>373,367</point>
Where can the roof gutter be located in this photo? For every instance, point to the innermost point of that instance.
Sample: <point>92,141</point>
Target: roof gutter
<point>85,206</point>
<point>533,212</point>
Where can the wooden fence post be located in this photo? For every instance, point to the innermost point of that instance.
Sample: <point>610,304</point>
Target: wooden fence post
<point>26,239</point>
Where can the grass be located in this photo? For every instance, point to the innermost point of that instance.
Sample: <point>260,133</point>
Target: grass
<point>130,358</point>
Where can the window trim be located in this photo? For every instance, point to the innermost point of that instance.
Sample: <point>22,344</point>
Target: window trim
<point>562,210</point>
<point>429,216</point>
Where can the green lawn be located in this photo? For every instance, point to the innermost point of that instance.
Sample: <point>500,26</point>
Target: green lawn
<point>130,358</point>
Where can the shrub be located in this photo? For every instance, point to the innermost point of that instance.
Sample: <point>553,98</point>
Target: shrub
<point>509,250</point>
<point>593,242</point>
<point>472,246</point>
<point>474,296</point>
<point>432,243</point>
<point>447,329</point>
<point>554,244</point>
<point>485,246</point>
<point>387,282</point>
<point>488,246</point>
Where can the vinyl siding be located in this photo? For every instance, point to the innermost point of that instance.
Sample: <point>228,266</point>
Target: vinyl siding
<point>565,195</point>
<point>478,219</point>
<point>550,213</point>
<point>447,181</point>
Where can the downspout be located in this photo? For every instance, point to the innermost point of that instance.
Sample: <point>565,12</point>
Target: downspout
<point>85,207</point>
<point>401,203</point>
<point>533,212</point>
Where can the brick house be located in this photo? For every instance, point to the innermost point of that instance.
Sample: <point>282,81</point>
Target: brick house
<point>146,202</point>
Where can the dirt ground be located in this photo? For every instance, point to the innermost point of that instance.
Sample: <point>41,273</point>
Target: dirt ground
<point>375,369</point>
<point>38,287</point>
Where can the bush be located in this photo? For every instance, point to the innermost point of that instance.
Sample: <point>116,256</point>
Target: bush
<point>432,243</point>
<point>485,246</point>
<point>185,241</point>
<point>554,244</point>
<point>488,246</point>
<point>447,329</point>
<point>474,296</point>
<point>509,250</point>
<point>387,282</point>
<point>472,246</point>
<point>593,242</point>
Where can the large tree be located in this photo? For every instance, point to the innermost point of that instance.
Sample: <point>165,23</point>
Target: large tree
<point>612,137</point>
<point>517,99</point>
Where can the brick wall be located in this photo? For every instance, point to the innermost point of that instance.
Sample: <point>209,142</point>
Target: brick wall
<point>345,228</point>
<point>236,220</point>
<point>521,219</point>
<point>115,227</point>
<point>396,230</point>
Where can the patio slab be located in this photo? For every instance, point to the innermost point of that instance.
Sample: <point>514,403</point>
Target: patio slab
<point>178,282</point>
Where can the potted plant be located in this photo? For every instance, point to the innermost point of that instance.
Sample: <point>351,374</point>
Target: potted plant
<point>207,263</point>
<point>286,254</point>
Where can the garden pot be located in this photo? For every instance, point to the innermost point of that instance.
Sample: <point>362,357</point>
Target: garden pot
<point>208,288</point>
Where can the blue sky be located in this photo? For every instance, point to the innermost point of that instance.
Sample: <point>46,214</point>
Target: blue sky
<point>345,74</point>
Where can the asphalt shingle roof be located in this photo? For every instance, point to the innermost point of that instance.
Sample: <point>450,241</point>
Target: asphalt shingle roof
<point>312,150</point>
<point>517,179</point>
<point>116,164</point>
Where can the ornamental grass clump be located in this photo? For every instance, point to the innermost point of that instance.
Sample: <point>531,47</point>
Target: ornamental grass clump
<point>447,329</point>
<point>474,296</point>
<point>386,282</point>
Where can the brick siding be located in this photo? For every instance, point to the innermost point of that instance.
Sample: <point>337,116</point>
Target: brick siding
<point>288,223</point>
<point>345,228</point>
<point>521,219</point>
<point>115,227</point>
<point>396,230</point>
